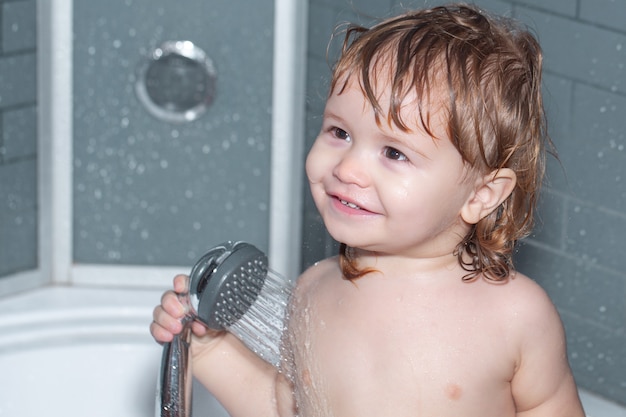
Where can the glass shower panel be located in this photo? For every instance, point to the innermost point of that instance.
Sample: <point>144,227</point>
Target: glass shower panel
<point>152,190</point>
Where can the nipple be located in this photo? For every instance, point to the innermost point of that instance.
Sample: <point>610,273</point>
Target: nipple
<point>453,391</point>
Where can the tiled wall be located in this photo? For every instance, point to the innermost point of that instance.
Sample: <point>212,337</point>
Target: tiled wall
<point>18,155</point>
<point>578,252</point>
<point>148,191</point>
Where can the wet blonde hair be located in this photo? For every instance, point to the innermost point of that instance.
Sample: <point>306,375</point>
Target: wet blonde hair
<point>489,71</point>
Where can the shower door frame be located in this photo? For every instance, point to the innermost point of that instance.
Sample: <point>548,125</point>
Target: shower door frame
<point>55,154</point>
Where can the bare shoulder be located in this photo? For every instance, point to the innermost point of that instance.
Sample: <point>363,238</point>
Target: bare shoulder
<point>528,304</point>
<point>541,354</point>
<point>531,316</point>
<point>320,271</point>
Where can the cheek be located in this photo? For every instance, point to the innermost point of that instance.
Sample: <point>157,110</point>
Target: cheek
<point>314,165</point>
<point>310,167</point>
<point>421,201</point>
<point>314,171</point>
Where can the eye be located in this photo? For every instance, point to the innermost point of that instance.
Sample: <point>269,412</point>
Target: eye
<point>394,154</point>
<point>341,134</point>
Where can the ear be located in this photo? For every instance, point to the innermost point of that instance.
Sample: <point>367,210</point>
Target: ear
<point>491,191</point>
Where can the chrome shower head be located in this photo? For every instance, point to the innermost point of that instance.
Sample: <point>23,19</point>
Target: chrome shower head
<point>225,282</point>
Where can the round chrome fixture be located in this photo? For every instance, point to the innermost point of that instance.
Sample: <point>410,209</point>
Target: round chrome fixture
<point>176,83</point>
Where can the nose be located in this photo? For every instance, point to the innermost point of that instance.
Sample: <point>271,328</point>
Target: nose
<point>352,168</point>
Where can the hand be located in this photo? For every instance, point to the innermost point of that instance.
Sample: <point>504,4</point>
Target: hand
<point>169,314</point>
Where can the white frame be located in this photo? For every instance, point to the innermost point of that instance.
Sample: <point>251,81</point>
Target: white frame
<point>54,69</point>
<point>55,156</point>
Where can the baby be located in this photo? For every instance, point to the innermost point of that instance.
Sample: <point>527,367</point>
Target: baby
<point>427,169</point>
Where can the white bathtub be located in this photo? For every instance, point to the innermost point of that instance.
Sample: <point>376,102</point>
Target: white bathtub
<point>87,352</point>
<point>74,352</point>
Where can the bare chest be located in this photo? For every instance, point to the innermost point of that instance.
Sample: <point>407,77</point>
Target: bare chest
<point>418,352</point>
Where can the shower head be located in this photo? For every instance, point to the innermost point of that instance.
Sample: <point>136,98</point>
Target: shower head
<point>225,282</point>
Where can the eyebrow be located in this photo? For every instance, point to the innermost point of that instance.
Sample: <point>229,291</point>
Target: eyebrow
<point>332,115</point>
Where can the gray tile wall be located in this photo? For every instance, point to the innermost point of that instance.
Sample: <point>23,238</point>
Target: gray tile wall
<point>578,250</point>
<point>18,137</point>
<point>154,192</point>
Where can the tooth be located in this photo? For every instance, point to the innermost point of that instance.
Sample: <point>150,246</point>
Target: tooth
<point>351,205</point>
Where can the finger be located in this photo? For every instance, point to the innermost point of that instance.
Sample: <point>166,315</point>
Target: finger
<point>166,321</point>
<point>160,334</point>
<point>170,302</point>
<point>199,329</point>
<point>181,284</point>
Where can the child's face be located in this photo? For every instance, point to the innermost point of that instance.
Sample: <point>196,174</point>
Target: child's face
<point>384,190</point>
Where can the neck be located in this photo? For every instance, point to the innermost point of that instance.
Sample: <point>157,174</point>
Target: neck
<point>406,265</point>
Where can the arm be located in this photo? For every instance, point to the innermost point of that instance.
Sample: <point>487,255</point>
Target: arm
<point>543,384</point>
<point>242,382</point>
